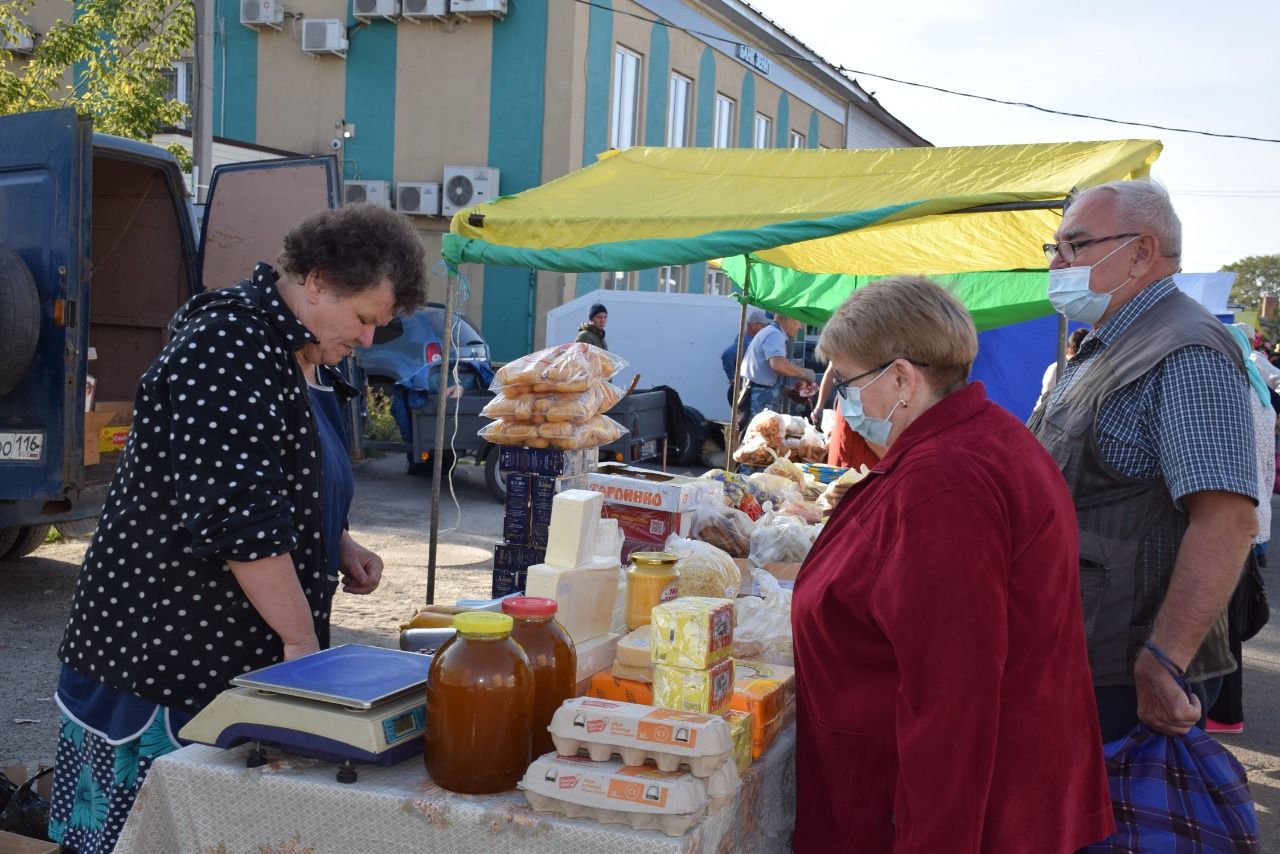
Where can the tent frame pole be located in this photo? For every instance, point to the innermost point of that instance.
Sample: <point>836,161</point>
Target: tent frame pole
<point>1062,347</point>
<point>737,367</point>
<point>442,413</point>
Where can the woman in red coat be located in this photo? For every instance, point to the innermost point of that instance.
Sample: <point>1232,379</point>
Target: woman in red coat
<point>944,698</point>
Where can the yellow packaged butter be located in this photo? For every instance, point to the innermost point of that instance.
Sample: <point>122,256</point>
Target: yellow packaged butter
<point>694,632</point>
<point>707,691</point>
<point>740,730</point>
<point>112,439</point>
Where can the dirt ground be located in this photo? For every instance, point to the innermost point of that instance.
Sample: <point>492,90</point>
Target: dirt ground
<point>391,515</point>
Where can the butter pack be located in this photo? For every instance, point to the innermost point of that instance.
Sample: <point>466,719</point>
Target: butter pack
<point>708,691</point>
<point>694,632</point>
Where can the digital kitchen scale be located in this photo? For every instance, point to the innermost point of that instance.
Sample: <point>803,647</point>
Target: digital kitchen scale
<point>351,703</point>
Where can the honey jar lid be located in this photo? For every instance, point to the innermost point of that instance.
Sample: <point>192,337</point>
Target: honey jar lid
<point>483,624</point>
<point>529,606</point>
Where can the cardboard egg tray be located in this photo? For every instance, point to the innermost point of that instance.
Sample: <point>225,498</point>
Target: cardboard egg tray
<point>605,728</point>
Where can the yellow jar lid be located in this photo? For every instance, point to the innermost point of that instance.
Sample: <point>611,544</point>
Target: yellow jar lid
<point>483,623</point>
<point>654,558</point>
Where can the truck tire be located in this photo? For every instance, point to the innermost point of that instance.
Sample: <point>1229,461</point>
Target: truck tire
<point>30,538</point>
<point>689,450</point>
<point>8,536</point>
<point>19,319</point>
<point>493,478</point>
<point>76,529</point>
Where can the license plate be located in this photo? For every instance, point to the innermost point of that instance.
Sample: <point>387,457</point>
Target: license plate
<point>649,449</point>
<point>26,447</point>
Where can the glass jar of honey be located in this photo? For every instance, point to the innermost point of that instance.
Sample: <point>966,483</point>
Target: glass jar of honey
<point>479,703</point>
<point>552,657</point>
<point>652,578</point>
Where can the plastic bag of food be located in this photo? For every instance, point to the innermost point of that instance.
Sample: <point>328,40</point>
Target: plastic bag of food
<point>780,539</point>
<point>773,488</point>
<point>726,528</point>
<point>503,432</point>
<point>600,430</point>
<point>563,367</point>
<point>813,446</point>
<point>793,425</point>
<point>756,452</point>
<point>511,404</point>
<point>705,570</point>
<point>769,426</point>
<point>762,629</point>
<point>789,470</point>
<point>808,511</point>
<point>737,492</point>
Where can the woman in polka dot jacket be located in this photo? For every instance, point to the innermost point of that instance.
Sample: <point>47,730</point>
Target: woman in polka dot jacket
<point>223,532</point>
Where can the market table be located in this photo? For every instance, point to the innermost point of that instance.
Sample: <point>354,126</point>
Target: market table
<point>204,799</point>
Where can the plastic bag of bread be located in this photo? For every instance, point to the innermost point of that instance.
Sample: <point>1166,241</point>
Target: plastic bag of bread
<point>755,451</point>
<point>563,368</point>
<point>774,488</point>
<point>704,569</point>
<point>808,511</point>
<point>600,430</point>
<point>793,425</point>
<point>778,538</point>
<point>726,528</point>
<point>514,405</point>
<point>762,625</point>
<point>789,470</point>
<point>769,426</point>
<point>813,446</point>
<point>505,432</point>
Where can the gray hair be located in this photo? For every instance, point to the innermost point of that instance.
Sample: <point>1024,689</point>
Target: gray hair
<point>1145,204</point>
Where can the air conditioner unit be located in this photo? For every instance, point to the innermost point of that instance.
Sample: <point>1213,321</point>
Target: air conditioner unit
<point>21,43</point>
<point>411,10</point>
<point>497,8</point>
<point>373,192</point>
<point>417,198</point>
<point>262,13</point>
<point>324,35</point>
<point>389,9</point>
<point>466,186</point>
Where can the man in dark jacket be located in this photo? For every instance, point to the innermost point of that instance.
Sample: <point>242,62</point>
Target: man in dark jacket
<point>592,332</point>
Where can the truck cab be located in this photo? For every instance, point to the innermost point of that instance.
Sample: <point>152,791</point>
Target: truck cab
<point>99,246</point>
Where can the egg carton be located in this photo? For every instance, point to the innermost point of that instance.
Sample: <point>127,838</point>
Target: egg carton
<point>605,728</point>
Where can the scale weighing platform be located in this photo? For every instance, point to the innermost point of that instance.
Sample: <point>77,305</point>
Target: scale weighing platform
<point>347,704</point>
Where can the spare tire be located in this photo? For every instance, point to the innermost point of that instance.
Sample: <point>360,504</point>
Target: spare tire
<point>689,451</point>
<point>19,319</point>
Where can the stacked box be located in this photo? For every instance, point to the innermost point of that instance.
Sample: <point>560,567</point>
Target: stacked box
<point>645,529</point>
<point>690,645</point>
<point>534,477</point>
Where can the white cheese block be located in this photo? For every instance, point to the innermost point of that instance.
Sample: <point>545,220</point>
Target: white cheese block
<point>633,650</point>
<point>595,655</point>
<point>584,595</point>
<point>571,538</point>
<point>609,539</point>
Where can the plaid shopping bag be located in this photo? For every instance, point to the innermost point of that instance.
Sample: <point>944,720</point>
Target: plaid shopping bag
<point>1177,794</point>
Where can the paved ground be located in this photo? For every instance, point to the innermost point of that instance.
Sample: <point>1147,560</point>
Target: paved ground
<point>391,515</point>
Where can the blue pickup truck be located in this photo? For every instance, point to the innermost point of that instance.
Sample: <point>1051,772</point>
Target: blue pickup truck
<point>99,245</point>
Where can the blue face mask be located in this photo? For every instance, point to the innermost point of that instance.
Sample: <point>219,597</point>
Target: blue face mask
<point>1071,296</point>
<point>874,430</point>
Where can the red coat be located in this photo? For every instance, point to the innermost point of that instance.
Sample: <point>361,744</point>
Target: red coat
<point>944,699</point>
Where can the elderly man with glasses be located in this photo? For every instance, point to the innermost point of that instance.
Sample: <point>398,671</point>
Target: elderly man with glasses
<point>1152,428</point>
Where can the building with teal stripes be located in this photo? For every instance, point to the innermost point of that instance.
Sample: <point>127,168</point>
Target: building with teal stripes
<point>533,93</point>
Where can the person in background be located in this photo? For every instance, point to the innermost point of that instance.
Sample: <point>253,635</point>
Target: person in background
<point>845,448</point>
<point>757,319</point>
<point>765,367</point>
<point>222,535</point>
<point>1051,372</point>
<point>943,699</point>
<point>1227,714</point>
<point>592,332</point>
<point>1152,428</point>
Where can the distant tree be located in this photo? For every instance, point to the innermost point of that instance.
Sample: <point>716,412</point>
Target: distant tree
<point>1256,276</point>
<point>115,53</point>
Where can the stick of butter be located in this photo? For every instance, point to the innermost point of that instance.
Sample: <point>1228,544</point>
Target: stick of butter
<point>707,691</point>
<point>693,632</point>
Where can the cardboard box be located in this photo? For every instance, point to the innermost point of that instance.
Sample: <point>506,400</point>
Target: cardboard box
<point>654,490</point>
<point>12,843</point>
<point>111,439</point>
<point>508,581</point>
<point>644,529</point>
<point>517,558</point>
<point>94,422</point>
<point>546,461</point>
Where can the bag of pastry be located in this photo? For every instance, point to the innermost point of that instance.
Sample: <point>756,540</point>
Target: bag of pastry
<point>563,369</point>
<point>705,570</point>
<point>513,404</point>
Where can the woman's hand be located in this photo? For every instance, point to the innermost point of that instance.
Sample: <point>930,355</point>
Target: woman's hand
<point>297,650</point>
<point>361,569</point>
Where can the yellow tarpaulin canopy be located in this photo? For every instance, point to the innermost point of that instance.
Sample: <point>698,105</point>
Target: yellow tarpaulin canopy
<point>859,211</point>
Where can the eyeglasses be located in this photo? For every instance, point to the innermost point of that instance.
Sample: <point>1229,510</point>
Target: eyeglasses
<point>841,387</point>
<point>1067,249</point>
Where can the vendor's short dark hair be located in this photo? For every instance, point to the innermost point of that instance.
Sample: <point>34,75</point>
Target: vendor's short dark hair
<point>356,247</point>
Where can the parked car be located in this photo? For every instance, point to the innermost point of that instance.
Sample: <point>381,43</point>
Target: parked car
<point>409,350</point>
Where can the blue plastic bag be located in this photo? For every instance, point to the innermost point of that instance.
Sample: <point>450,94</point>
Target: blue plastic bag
<point>1177,794</point>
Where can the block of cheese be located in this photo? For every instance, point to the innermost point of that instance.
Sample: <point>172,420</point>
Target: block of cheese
<point>633,649</point>
<point>571,539</point>
<point>740,729</point>
<point>584,595</point>
<point>692,631</point>
<point>610,686</point>
<point>765,691</point>
<point>595,655</point>
<point>707,691</point>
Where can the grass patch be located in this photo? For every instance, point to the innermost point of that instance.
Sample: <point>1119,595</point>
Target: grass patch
<point>380,425</point>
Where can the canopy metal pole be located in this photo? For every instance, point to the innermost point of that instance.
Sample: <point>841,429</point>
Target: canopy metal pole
<point>1062,347</point>
<point>737,367</point>
<point>442,414</point>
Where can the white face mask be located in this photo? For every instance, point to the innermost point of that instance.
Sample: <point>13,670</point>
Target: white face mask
<point>874,430</point>
<point>1071,296</point>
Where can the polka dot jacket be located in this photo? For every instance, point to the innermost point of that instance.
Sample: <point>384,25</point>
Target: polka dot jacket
<point>221,464</point>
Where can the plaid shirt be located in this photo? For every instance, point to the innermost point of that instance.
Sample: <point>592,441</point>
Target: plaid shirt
<point>1188,421</point>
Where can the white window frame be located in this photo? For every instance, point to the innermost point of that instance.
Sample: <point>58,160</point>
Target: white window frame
<point>673,280</point>
<point>624,108</point>
<point>763,131</point>
<point>618,281</point>
<point>722,128</point>
<point>182,83</point>
<point>795,139</point>
<point>717,283</point>
<point>679,114</point>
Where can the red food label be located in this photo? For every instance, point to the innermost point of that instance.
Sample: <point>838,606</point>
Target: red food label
<point>595,726</point>
<point>568,782</point>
